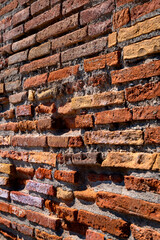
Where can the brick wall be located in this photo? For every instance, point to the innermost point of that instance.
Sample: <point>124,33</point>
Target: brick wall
<point>79,119</point>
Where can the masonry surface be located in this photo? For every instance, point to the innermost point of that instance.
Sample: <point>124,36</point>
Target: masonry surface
<point>79,119</point>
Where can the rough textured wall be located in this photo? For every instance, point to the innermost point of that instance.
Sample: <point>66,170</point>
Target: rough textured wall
<point>79,121</point>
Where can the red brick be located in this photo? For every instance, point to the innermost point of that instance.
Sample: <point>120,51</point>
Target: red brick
<point>100,28</point>
<point>90,235</point>
<point>152,135</point>
<point>4,194</point>
<point>4,207</point>
<point>98,80</point>
<point>9,114</point>
<point>70,38</point>
<point>113,116</point>
<point>146,113</point>
<point>5,141</point>
<point>29,141</point>
<point>24,2</point>
<point>6,49</point>
<point>68,214</point>
<point>11,86</point>
<point>74,227</point>
<point>46,236</point>
<point>19,212</point>
<point>127,205</point>
<point>11,126</point>
<point>140,233</point>
<point>42,173</point>
<point>121,18</point>
<point>13,34</point>
<point>70,177</point>
<point>100,62</point>
<point>35,81</point>
<point>143,92</point>
<point>135,73</point>
<point>19,156</point>
<point>43,220</point>
<point>40,63</point>
<point>24,110</point>
<point>58,28</point>
<point>96,12</point>
<point>75,141</point>
<point>24,172</point>
<point>142,184</point>
<point>72,5</point>
<point>126,137</point>
<point>116,227</point>
<point>8,73</point>
<point>20,16</point>
<point>57,141</point>
<point>122,2</point>
<point>143,9</point>
<point>9,7</point>
<point>5,222</point>
<point>27,125</point>
<point>26,199</point>
<point>5,23</point>
<point>84,50</point>
<point>18,97</point>
<point>43,19</point>
<point>18,57</point>
<point>82,159</point>
<point>40,188</point>
<point>63,73</point>
<point>50,108</point>
<point>43,157</point>
<point>39,6</point>
<point>46,124</point>
<point>24,43</point>
<point>23,229</point>
<point>84,121</point>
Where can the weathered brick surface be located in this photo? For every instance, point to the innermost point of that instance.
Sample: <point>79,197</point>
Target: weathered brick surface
<point>116,227</point>
<point>20,16</point>
<point>58,28</point>
<point>134,73</point>
<point>113,116</point>
<point>138,29</point>
<point>43,220</point>
<point>70,177</point>
<point>40,188</point>
<point>24,43</point>
<point>26,199</point>
<point>144,233</point>
<point>40,51</point>
<point>125,204</point>
<point>149,47</point>
<point>13,34</point>
<point>129,160</point>
<point>142,184</point>
<point>88,15</point>
<point>29,141</point>
<point>35,81</point>
<point>94,235</point>
<point>84,50</point>
<point>42,19</point>
<point>44,235</point>
<point>121,18</point>
<point>70,39</point>
<point>143,9</point>
<point>143,92</point>
<point>152,135</point>
<point>40,63</point>
<point>130,137</point>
